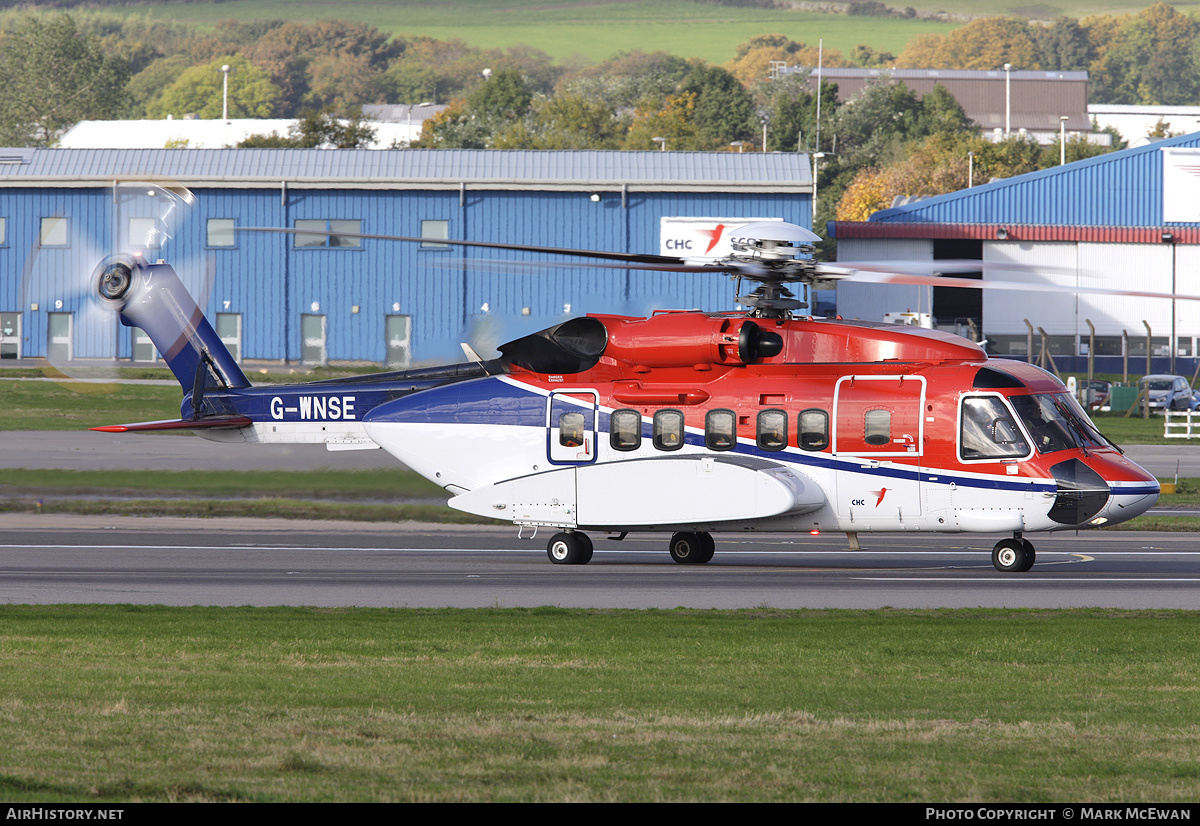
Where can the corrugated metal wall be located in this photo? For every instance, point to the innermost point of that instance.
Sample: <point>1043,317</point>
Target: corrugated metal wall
<point>271,282</point>
<point>1122,189</point>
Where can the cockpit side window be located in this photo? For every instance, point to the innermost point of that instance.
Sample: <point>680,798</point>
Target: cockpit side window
<point>1056,422</point>
<point>987,431</point>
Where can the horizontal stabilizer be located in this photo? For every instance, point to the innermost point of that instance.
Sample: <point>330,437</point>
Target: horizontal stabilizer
<point>178,424</point>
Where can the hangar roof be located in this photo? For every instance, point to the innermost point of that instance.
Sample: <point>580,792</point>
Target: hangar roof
<point>414,169</point>
<point>1120,196</point>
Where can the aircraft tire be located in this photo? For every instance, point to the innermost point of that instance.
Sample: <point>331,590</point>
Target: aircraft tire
<point>1031,555</point>
<point>569,549</point>
<point>1013,555</point>
<point>689,548</point>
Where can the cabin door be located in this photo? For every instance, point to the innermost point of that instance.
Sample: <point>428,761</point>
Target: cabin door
<point>571,427</point>
<point>879,434</point>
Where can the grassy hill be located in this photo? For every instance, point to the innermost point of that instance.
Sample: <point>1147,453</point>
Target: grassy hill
<point>591,29</point>
<point>597,29</point>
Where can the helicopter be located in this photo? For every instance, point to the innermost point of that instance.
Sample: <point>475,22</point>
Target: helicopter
<point>689,423</point>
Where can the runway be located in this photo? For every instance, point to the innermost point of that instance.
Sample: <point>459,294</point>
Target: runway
<point>171,561</point>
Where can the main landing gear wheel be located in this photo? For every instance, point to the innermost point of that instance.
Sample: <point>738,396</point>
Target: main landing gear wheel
<point>1013,555</point>
<point>569,549</point>
<point>692,548</point>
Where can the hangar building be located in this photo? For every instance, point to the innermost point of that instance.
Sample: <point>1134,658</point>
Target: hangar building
<point>317,298</point>
<point>1127,220</point>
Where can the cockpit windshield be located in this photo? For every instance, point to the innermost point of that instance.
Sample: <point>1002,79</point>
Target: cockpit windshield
<point>1057,422</point>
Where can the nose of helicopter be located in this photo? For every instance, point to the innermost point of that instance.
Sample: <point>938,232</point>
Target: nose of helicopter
<point>1116,488</point>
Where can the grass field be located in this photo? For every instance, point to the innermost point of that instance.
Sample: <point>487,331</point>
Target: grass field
<point>598,29</point>
<point>121,703</point>
<point>594,30</point>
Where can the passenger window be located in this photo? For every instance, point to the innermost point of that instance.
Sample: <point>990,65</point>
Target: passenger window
<point>668,430</point>
<point>772,430</point>
<point>625,428</point>
<point>814,430</point>
<point>720,430</point>
<point>877,427</point>
<point>570,430</point>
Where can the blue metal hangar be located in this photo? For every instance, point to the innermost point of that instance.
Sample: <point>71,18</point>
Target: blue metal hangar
<point>1128,220</point>
<point>318,297</point>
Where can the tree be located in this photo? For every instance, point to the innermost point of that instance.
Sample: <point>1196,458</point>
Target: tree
<point>791,108</point>
<point>495,106</point>
<point>54,76</point>
<point>983,44</point>
<point>200,90</point>
<point>723,111</point>
<point>317,130</point>
<point>670,119</point>
<point>753,59</point>
<point>629,78</point>
<point>1151,60</point>
<point>1063,46</point>
<point>941,163</point>
<point>290,53</point>
<point>564,122</point>
<point>503,97</point>
<point>941,112</point>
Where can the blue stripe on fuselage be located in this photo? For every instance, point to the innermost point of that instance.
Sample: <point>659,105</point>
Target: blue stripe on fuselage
<point>493,401</point>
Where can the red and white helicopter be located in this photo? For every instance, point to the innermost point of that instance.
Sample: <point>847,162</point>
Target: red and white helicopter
<point>690,423</point>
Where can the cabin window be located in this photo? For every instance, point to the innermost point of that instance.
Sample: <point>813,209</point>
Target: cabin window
<point>813,433</point>
<point>571,429</point>
<point>720,431</point>
<point>625,430</point>
<point>772,430</point>
<point>986,430</point>
<point>668,430</point>
<point>877,427</point>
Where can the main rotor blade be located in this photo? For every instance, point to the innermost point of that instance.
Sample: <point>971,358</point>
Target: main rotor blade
<point>862,277</point>
<point>629,257</point>
<point>500,265</point>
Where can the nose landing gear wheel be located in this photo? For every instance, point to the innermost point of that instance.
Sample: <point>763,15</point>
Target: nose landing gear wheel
<point>569,549</point>
<point>1013,555</point>
<point>692,548</point>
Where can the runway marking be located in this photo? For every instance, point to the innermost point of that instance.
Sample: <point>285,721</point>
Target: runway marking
<point>1028,579</point>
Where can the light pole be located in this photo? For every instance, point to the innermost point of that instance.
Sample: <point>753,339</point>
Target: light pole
<point>225,93</point>
<point>970,170</point>
<point>816,168</point>
<point>662,143</point>
<point>741,146</point>
<point>1007,98</point>
<point>1062,139</point>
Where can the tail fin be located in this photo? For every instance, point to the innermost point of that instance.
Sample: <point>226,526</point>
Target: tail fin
<point>152,297</point>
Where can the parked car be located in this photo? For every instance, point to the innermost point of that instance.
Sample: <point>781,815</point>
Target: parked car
<point>1094,393</point>
<point>1169,392</point>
